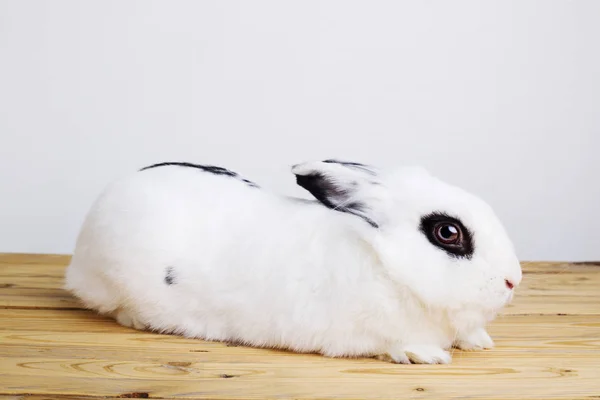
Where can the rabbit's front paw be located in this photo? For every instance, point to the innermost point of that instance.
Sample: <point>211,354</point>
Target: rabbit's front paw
<point>126,319</point>
<point>417,354</point>
<point>426,354</point>
<point>478,339</point>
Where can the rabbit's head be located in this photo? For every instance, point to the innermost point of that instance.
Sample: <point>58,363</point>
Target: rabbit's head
<point>443,244</point>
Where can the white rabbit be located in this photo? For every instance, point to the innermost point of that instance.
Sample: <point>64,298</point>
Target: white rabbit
<point>393,264</point>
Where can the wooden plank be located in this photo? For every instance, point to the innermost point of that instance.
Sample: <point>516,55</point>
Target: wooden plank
<point>550,305</point>
<point>54,320</point>
<point>48,397</point>
<point>530,267</point>
<point>16,297</point>
<point>52,397</point>
<point>559,347</point>
<point>511,377</point>
<point>34,259</point>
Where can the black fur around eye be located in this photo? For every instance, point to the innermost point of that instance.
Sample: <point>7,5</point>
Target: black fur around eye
<point>448,233</point>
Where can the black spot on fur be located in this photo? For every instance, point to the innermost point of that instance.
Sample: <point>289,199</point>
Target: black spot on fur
<point>324,189</point>
<point>212,169</point>
<point>428,226</point>
<point>170,276</point>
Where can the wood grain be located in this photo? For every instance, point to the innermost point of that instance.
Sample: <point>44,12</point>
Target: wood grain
<point>547,347</point>
<point>503,378</point>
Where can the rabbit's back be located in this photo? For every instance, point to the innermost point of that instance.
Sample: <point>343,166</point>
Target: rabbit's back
<point>147,229</point>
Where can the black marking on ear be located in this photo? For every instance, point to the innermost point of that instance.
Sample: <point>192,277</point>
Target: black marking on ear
<point>351,164</point>
<point>428,225</point>
<point>170,276</point>
<point>320,187</point>
<point>212,169</point>
<point>323,189</point>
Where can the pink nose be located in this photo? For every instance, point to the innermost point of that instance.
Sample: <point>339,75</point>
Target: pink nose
<point>509,284</point>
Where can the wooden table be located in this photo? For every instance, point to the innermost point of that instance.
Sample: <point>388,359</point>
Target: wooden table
<point>547,346</point>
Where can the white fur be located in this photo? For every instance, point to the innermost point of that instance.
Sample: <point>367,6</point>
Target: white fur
<point>265,270</point>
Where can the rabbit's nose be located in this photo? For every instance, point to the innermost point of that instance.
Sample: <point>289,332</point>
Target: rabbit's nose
<point>509,284</point>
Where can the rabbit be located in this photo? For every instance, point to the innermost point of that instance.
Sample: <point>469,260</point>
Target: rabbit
<point>390,264</point>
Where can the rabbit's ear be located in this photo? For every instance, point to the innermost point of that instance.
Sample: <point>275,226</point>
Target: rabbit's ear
<point>341,185</point>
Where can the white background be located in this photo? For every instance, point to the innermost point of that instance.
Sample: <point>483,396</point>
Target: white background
<point>499,97</point>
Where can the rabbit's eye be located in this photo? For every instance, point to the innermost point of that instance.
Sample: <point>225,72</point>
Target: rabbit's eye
<point>448,233</point>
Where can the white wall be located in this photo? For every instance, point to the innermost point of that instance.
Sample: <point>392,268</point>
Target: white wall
<point>500,97</point>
